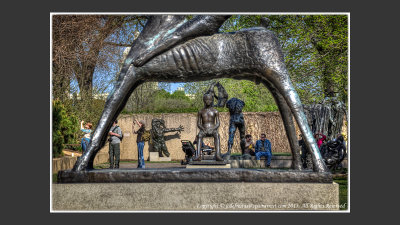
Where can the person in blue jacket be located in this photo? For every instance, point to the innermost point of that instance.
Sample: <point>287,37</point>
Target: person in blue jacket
<point>85,141</point>
<point>263,148</point>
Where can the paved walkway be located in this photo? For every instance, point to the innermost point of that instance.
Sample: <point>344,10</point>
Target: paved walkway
<point>152,165</point>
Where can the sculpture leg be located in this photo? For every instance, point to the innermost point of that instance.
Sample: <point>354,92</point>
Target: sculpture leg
<point>126,83</point>
<point>217,147</point>
<point>242,133</point>
<point>281,81</point>
<point>232,131</point>
<point>197,156</point>
<point>288,124</point>
<point>165,149</point>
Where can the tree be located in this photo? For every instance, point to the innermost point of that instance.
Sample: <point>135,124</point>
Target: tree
<point>65,127</point>
<point>329,36</point>
<point>315,49</point>
<point>83,44</point>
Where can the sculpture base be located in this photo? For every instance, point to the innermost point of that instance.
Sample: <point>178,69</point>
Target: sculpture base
<point>192,175</point>
<point>208,164</point>
<point>154,157</point>
<point>194,166</point>
<point>189,196</point>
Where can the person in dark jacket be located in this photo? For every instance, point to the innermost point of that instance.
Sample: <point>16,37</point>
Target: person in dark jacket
<point>140,141</point>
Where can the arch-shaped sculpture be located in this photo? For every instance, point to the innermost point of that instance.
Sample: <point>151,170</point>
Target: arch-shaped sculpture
<point>169,49</point>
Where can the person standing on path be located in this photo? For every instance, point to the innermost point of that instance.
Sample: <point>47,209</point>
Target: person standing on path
<point>139,141</point>
<point>114,146</point>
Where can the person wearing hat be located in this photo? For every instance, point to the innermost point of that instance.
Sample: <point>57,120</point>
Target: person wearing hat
<point>139,141</point>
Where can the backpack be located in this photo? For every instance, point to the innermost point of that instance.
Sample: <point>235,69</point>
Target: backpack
<point>122,135</point>
<point>146,135</point>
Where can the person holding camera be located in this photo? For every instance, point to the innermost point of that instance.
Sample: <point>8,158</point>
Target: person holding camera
<point>140,141</point>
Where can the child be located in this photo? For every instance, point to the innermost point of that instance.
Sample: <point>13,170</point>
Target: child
<point>87,129</point>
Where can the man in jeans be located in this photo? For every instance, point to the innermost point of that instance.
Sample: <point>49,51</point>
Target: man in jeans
<point>263,148</point>
<point>140,141</point>
<point>114,146</point>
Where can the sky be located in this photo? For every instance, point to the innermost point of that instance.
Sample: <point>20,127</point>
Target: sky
<point>175,86</point>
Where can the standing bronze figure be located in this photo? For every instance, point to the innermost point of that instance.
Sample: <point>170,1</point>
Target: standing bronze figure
<point>171,49</point>
<point>236,121</point>
<point>158,129</point>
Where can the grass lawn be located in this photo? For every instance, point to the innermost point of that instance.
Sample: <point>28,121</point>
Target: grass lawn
<point>107,165</point>
<point>343,201</point>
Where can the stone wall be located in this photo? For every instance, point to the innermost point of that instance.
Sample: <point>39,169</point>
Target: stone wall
<point>269,123</point>
<point>68,162</point>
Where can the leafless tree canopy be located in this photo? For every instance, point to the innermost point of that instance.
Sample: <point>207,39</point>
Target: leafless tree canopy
<point>85,43</point>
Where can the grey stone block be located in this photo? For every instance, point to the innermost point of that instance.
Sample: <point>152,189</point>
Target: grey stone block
<point>240,196</point>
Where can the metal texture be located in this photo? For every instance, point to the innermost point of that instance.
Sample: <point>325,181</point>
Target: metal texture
<point>157,132</point>
<point>333,153</point>
<point>236,121</point>
<point>192,175</point>
<point>208,123</point>
<point>179,51</point>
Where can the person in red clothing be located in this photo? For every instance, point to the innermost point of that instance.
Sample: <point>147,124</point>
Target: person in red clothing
<point>320,137</point>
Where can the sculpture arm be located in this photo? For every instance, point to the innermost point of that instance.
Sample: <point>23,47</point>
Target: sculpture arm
<point>199,121</point>
<point>217,120</point>
<point>180,128</point>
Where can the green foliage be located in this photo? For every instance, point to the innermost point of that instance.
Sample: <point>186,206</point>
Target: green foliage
<point>315,49</point>
<point>162,101</point>
<point>343,189</point>
<point>65,126</point>
<point>87,110</point>
<point>256,97</point>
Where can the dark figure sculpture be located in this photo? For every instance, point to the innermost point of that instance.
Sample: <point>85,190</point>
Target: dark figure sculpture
<point>306,158</point>
<point>189,150</point>
<point>222,96</point>
<point>171,49</point>
<point>158,130</point>
<point>334,152</point>
<point>208,123</point>
<point>236,120</point>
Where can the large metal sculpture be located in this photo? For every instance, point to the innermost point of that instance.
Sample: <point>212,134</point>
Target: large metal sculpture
<point>171,49</point>
<point>158,129</point>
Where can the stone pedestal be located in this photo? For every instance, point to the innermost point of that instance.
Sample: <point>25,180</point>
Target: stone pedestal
<point>180,189</point>
<point>208,164</point>
<point>154,156</point>
<point>222,166</point>
<point>195,196</point>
